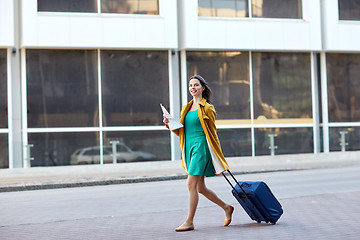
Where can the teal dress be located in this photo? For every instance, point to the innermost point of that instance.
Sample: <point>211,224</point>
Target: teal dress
<point>197,154</point>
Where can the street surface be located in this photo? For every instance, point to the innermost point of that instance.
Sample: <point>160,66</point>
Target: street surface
<point>318,204</point>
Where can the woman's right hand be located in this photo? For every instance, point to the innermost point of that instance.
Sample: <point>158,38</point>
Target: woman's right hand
<point>165,120</point>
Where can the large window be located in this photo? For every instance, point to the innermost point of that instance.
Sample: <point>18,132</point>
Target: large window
<point>62,88</point>
<point>150,7</point>
<point>349,10</point>
<point>282,86</point>
<point>134,83</point>
<point>259,8</point>
<point>343,71</point>
<point>228,76</point>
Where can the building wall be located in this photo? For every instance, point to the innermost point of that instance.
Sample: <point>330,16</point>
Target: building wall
<point>6,23</point>
<point>338,35</point>
<point>251,33</point>
<point>100,30</point>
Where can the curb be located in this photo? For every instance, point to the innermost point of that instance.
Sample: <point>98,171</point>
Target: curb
<point>121,181</point>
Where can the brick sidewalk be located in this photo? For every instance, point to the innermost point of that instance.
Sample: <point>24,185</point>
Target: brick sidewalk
<point>93,175</point>
<point>326,216</point>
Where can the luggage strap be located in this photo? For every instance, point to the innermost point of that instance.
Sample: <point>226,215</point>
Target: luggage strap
<point>236,181</point>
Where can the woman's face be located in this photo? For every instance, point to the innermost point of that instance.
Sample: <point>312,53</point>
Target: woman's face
<point>195,88</point>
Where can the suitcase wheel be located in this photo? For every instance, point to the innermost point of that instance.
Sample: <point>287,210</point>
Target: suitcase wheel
<point>258,221</point>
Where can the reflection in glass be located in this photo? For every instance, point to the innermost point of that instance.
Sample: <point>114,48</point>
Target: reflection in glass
<point>138,146</point>
<point>277,8</point>
<point>349,10</point>
<point>288,140</point>
<point>67,5</point>
<point>62,88</point>
<point>4,152</point>
<point>3,89</point>
<point>282,85</point>
<point>223,8</point>
<point>228,76</point>
<point>134,83</point>
<point>150,7</point>
<point>235,142</point>
<point>351,138</point>
<point>343,71</point>
<point>57,149</point>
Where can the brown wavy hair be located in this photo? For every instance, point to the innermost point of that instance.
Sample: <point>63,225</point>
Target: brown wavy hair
<point>207,93</point>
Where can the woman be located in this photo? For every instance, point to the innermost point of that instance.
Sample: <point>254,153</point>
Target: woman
<point>200,148</point>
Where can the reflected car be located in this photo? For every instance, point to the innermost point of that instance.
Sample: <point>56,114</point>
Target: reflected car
<point>91,155</point>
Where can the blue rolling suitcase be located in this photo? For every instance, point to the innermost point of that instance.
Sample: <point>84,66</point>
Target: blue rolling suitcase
<point>257,200</point>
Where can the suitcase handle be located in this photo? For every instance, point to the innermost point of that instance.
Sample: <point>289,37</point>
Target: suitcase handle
<point>236,181</point>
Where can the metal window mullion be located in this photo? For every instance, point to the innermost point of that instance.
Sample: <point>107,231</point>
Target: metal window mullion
<point>324,102</point>
<point>183,81</point>
<point>250,8</point>
<point>251,106</point>
<point>100,106</point>
<point>24,106</point>
<point>171,103</point>
<point>315,108</point>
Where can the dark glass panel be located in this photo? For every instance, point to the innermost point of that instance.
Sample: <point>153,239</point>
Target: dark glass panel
<point>62,88</point>
<point>137,146</point>
<point>343,71</point>
<point>150,7</point>
<point>4,151</point>
<point>287,141</point>
<point>235,142</point>
<point>67,5</point>
<point>134,83</point>
<point>228,76</point>
<point>223,8</point>
<point>351,138</point>
<point>277,8</point>
<point>349,10</point>
<point>282,85</point>
<point>3,89</point>
<point>57,149</point>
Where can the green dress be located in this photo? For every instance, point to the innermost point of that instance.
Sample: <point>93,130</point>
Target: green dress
<point>197,154</point>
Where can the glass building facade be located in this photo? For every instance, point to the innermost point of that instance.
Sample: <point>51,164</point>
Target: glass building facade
<point>100,105</point>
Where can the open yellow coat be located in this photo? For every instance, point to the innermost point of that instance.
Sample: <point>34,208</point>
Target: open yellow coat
<point>207,116</point>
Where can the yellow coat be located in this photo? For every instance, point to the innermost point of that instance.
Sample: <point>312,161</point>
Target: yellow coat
<point>207,116</point>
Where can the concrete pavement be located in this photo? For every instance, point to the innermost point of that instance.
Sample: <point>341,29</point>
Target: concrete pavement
<point>92,175</point>
<point>318,204</point>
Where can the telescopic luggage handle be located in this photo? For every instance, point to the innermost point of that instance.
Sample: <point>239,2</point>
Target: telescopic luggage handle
<point>236,181</point>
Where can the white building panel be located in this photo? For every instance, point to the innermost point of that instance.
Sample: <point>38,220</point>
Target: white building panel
<point>7,23</point>
<point>338,35</point>
<point>251,33</point>
<point>100,30</point>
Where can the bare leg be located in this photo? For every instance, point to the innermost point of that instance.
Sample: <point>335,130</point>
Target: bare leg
<point>209,194</point>
<point>192,183</point>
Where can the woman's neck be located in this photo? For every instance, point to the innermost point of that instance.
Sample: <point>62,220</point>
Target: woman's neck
<point>197,100</point>
<point>195,104</point>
